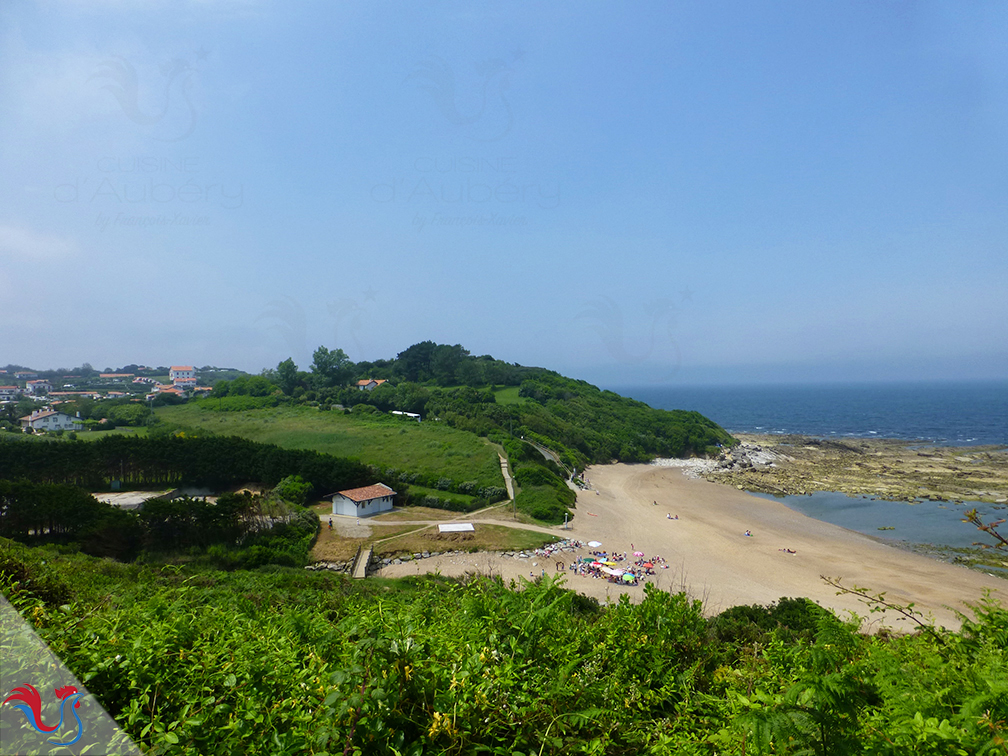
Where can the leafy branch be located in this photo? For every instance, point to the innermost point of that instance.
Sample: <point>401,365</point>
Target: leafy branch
<point>990,528</point>
<point>878,603</point>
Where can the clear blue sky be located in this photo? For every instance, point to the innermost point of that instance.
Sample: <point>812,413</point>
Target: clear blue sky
<point>628,193</point>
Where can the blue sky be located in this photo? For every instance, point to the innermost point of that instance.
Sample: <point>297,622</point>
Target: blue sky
<point>656,193</point>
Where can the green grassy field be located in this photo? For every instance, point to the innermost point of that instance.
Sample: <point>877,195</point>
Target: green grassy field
<point>509,395</point>
<point>83,435</point>
<point>123,431</point>
<point>486,538</point>
<point>378,440</point>
<point>421,491</point>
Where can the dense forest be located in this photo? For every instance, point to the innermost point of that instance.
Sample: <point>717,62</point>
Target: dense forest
<point>168,459</point>
<point>236,530</point>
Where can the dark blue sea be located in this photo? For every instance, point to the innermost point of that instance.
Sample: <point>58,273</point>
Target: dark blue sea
<point>953,414</point>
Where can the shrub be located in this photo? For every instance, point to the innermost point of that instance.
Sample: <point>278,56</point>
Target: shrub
<point>293,489</point>
<point>542,503</point>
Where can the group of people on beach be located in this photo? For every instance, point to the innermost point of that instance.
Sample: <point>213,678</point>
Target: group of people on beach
<point>601,565</point>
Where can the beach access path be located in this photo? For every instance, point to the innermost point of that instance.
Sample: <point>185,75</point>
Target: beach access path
<point>710,556</point>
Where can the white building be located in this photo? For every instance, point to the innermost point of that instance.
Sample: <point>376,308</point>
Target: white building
<point>9,393</point>
<point>410,415</point>
<point>38,387</point>
<point>50,420</point>
<point>182,373</point>
<point>370,384</point>
<point>363,502</point>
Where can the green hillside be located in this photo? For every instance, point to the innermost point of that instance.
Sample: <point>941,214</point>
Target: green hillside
<point>380,440</point>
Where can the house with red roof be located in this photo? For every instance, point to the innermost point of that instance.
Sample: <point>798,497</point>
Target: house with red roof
<point>40,386</point>
<point>370,384</point>
<point>183,376</point>
<point>363,502</point>
<point>50,420</point>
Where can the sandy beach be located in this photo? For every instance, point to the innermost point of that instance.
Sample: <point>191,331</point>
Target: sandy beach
<point>709,555</point>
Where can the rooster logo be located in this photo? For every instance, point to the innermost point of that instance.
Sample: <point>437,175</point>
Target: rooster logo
<point>31,706</point>
<point>479,108</point>
<point>605,317</point>
<point>177,115</point>
<point>289,321</point>
<point>347,314</point>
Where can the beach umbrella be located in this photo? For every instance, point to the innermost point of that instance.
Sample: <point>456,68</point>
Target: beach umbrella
<point>594,544</point>
<point>587,559</point>
<point>638,553</point>
<point>596,564</point>
<point>627,578</point>
<point>648,565</point>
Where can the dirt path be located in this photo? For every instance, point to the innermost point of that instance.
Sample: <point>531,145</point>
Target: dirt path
<point>708,553</point>
<point>507,475</point>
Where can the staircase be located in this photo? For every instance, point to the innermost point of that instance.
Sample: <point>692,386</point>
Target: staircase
<point>361,563</point>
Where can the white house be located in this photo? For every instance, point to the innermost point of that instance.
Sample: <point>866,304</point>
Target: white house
<point>38,387</point>
<point>9,393</point>
<point>24,375</point>
<point>49,420</point>
<point>363,502</point>
<point>370,384</point>
<point>182,374</point>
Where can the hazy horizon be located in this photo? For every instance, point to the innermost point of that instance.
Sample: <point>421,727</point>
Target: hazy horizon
<point>678,194</point>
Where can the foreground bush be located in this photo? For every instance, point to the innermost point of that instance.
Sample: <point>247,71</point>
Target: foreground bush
<point>279,661</point>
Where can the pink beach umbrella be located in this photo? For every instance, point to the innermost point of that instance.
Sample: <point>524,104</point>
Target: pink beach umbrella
<point>638,553</point>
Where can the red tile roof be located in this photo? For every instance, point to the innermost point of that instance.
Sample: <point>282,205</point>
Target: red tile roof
<point>368,492</point>
<point>38,415</point>
<point>181,367</point>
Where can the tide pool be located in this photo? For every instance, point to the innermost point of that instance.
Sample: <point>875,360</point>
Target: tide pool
<point>926,522</point>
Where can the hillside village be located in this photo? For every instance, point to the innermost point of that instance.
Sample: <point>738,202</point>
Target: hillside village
<point>33,400</point>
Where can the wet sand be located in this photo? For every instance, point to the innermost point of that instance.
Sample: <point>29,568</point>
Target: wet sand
<point>710,556</point>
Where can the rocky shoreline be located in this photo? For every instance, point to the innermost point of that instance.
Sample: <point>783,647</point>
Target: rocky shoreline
<point>890,469</point>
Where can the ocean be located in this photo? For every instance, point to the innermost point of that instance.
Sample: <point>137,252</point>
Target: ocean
<point>951,414</point>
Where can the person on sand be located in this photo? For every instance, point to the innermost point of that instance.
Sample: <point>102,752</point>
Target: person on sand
<point>330,523</point>
<point>748,534</point>
<point>668,516</point>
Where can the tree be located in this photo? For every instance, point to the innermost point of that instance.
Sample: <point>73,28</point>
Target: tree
<point>415,362</point>
<point>470,373</point>
<point>444,361</point>
<point>287,376</point>
<point>330,368</point>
